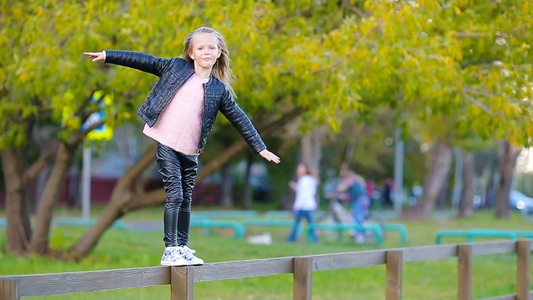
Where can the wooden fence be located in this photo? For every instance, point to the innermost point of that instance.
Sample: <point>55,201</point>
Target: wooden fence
<point>182,279</point>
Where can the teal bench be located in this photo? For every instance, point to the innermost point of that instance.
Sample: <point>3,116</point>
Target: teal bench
<point>267,222</point>
<point>74,221</point>
<point>271,222</point>
<point>376,229</point>
<point>519,233</point>
<point>206,224</point>
<point>278,214</point>
<point>237,214</point>
<point>395,227</point>
<point>3,222</point>
<point>289,214</point>
<point>471,234</point>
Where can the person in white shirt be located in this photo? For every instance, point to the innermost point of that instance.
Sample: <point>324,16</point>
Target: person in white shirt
<point>305,202</point>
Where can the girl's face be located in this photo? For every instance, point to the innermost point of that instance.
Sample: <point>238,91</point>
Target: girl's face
<point>301,170</point>
<point>204,51</point>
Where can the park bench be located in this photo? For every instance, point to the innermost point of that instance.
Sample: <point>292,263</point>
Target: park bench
<point>289,214</point>
<point>3,222</point>
<point>394,227</point>
<point>472,233</point>
<point>278,214</point>
<point>519,233</point>
<point>267,222</point>
<point>207,224</point>
<point>237,214</point>
<point>271,222</point>
<point>376,229</point>
<point>74,221</point>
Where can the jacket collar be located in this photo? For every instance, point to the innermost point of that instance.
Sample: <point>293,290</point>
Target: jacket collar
<point>190,67</point>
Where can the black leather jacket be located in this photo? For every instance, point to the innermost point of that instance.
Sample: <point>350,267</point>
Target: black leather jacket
<point>173,73</point>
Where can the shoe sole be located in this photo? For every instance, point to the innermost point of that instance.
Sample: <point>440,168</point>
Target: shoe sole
<point>169,264</point>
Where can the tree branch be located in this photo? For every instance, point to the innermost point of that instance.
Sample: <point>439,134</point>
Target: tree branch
<point>78,138</point>
<point>478,104</point>
<point>354,9</point>
<point>470,34</point>
<point>467,64</point>
<point>42,162</point>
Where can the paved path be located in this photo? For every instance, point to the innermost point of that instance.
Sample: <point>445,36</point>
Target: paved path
<point>145,225</point>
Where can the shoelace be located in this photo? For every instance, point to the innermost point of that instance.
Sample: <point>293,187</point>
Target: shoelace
<point>189,249</point>
<point>187,253</point>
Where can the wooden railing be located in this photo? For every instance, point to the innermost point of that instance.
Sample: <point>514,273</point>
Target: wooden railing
<point>182,279</point>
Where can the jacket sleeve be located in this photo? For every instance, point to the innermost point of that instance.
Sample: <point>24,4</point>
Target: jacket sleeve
<point>137,60</point>
<point>229,108</point>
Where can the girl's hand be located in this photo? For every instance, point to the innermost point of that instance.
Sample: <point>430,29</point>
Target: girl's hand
<point>96,56</point>
<point>270,156</point>
<point>293,185</point>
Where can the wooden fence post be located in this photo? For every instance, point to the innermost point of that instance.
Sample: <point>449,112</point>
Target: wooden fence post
<point>303,278</point>
<point>10,289</point>
<point>182,283</point>
<point>522,269</point>
<point>394,261</point>
<point>464,272</point>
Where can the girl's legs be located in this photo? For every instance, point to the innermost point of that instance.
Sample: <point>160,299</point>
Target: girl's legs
<point>365,208</point>
<point>357,215</point>
<point>308,215</point>
<point>360,212</point>
<point>178,172</point>
<point>189,170</point>
<point>294,230</point>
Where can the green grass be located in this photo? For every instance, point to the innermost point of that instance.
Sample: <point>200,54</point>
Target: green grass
<point>436,279</point>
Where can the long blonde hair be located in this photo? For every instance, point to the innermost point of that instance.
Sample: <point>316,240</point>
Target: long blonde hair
<point>221,68</point>
<point>309,171</point>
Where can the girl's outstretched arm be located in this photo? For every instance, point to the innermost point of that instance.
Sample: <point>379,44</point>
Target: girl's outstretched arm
<point>270,156</point>
<point>96,56</point>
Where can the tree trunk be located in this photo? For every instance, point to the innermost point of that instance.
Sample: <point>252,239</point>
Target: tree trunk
<point>18,229</point>
<point>247,196</point>
<point>226,195</point>
<point>123,195</point>
<point>39,238</point>
<point>466,208</point>
<point>443,198</point>
<point>434,182</point>
<point>311,155</point>
<point>311,149</point>
<point>507,155</point>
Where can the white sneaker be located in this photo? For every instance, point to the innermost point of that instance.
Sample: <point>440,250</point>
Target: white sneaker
<point>188,255</point>
<point>172,257</point>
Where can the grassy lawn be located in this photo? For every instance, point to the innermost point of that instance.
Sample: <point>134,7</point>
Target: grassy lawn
<point>437,279</point>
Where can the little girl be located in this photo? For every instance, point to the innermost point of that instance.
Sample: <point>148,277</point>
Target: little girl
<point>305,202</point>
<point>180,112</point>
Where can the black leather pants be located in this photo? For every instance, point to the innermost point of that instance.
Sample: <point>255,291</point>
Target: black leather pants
<point>179,175</point>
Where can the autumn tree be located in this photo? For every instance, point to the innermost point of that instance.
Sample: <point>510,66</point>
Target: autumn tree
<point>48,86</point>
<point>455,68</point>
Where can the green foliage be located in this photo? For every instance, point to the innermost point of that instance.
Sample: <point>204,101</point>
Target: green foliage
<point>284,55</point>
<point>460,68</point>
<point>461,61</point>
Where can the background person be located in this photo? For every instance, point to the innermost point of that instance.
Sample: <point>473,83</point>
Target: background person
<point>353,188</point>
<point>305,201</point>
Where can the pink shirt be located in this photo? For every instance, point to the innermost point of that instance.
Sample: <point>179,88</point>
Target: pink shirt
<point>179,125</point>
